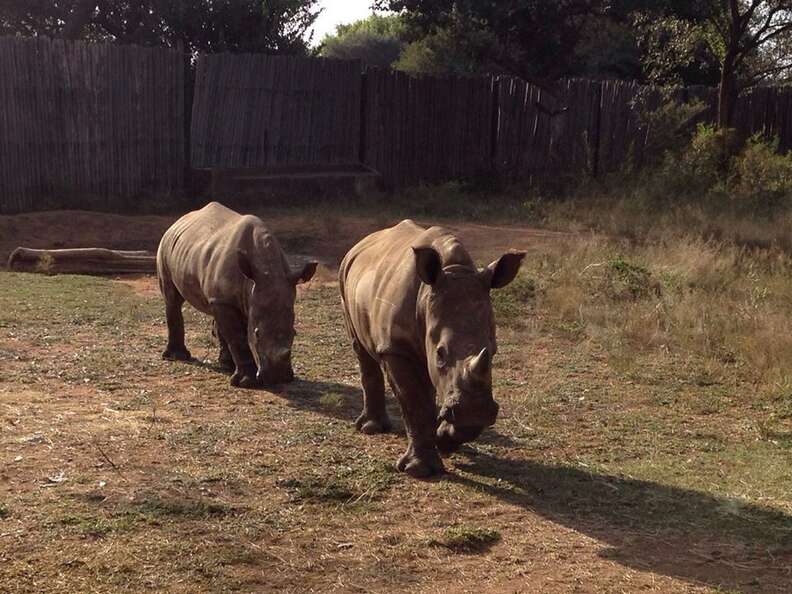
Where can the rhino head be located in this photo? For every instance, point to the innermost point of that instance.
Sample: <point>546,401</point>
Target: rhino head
<point>460,341</point>
<point>270,317</point>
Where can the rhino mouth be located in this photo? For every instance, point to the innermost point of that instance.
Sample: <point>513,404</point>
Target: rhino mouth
<point>271,377</point>
<point>476,413</point>
<point>450,437</point>
<point>461,422</point>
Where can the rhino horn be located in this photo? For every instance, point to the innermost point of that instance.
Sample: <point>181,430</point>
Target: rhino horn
<point>479,365</point>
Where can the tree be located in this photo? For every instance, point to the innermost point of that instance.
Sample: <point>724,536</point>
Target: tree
<point>79,17</point>
<point>661,41</point>
<point>748,35</point>
<point>376,41</point>
<point>280,26</point>
<point>533,39</point>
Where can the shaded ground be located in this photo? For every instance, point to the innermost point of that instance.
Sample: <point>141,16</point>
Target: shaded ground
<point>120,472</point>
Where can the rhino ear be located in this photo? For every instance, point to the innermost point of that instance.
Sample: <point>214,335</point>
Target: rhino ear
<point>244,264</point>
<point>504,269</point>
<point>304,275</point>
<point>428,264</point>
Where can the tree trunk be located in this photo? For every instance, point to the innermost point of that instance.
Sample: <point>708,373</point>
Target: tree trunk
<point>727,94</point>
<point>95,261</point>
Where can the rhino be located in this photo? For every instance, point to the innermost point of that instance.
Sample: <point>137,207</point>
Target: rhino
<point>231,267</point>
<point>416,305</point>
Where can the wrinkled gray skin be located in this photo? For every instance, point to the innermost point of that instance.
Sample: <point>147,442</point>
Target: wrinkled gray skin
<point>416,306</point>
<point>231,267</point>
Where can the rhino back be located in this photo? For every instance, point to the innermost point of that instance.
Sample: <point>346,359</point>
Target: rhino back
<point>199,254</point>
<point>380,287</point>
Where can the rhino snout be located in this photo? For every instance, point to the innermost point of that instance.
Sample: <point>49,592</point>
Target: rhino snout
<point>480,413</point>
<point>276,368</point>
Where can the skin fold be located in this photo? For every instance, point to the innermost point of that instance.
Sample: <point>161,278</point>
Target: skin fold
<point>231,267</point>
<point>419,312</point>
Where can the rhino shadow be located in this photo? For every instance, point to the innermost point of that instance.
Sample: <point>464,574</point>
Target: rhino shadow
<point>345,402</point>
<point>681,533</point>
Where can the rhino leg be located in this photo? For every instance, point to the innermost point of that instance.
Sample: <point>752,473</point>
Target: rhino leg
<point>374,418</point>
<point>413,389</point>
<point>224,358</point>
<point>176,349</point>
<point>232,328</point>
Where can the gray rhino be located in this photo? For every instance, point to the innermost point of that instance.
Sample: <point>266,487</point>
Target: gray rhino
<point>231,267</point>
<point>416,305</point>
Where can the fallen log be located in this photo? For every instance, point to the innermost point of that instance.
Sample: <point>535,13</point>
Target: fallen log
<point>93,261</point>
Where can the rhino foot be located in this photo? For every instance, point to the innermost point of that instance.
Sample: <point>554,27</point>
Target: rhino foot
<point>174,354</point>
<point>420,463</point>
<point>244,380</point>
<point>371,426</point>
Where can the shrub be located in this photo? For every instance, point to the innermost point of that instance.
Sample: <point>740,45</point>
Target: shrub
<point>762,178</point>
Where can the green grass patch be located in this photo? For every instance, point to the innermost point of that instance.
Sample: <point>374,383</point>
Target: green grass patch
<point>182,509</point>
<point>467,539</point>
<point>513,303</point>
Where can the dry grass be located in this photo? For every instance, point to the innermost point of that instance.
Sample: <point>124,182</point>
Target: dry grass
<point>644,443</point>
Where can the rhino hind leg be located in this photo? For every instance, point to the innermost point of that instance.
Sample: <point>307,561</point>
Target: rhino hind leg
<point>232,328</point>
<point>374,418</point>
<point>414,392</point>
<point>176,349</point>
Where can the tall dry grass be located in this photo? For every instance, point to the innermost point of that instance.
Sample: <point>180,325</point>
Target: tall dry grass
<point>724,304</point>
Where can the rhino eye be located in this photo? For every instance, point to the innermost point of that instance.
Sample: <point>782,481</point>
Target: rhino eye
<point>257,332</point>
<point>442,356</point>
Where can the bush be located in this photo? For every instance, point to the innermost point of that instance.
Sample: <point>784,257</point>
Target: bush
<point>761,178</point>
<point>668,128</point>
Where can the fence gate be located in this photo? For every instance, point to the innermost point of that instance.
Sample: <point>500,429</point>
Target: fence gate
<point>274,112</point>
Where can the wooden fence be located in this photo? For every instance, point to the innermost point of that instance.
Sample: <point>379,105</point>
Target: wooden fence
<point>426,129</point>
<point>275,111</point>
<point>766,111</point>
<point>88,125</point>
<point>102,126</point>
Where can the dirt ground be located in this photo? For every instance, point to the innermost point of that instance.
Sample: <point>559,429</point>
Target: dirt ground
<point>326,238</point>
<point>121,472</point>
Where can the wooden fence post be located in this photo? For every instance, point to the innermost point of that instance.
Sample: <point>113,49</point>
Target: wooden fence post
<point>363,109</point>
<point>494,123</point>
<point>597,131</point>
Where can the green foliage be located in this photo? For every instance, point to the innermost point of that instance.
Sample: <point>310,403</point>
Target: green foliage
<point>761,177</point>
<point>202,25</point>
<point>673,50</point>
<point>718,172</point>
<point>439,53</point>
<point>607,49</point>
<point>376,41</point>
<point>668,126</point>
<point>542,40</point>
<point>629,281</point>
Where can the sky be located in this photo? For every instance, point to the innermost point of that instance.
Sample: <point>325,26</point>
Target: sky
<point>338,12</point>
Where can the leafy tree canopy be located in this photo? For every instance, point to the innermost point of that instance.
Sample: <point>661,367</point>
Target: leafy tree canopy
<point>653,40</point>
<point>280,26</point>
<point>376,40</point>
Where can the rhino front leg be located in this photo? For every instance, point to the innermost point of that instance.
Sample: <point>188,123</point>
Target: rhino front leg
<point>176,349</point>
<point>224,358</point>
<point>232,328</point>
<point>414,392</point>
<point>374,418</point>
